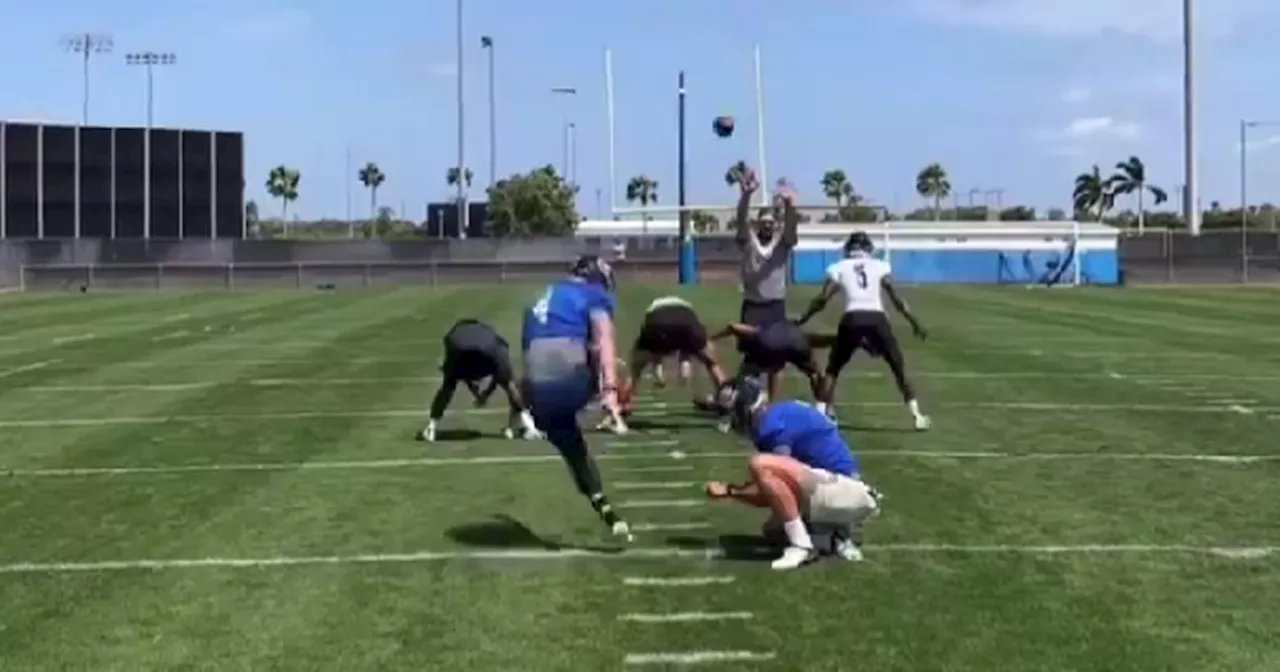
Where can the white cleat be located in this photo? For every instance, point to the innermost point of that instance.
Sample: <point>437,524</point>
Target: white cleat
<point>533,435</point>
<point>622,529</point>
<point>923,423</point>
<point>845,549</point>
<point>794,557</point>
<point>508,433</point>
<point>428,433</point>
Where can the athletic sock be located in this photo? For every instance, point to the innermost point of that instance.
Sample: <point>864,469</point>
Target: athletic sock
<point>797,533</point>
<point>915,407</point>
<point>601,504</point>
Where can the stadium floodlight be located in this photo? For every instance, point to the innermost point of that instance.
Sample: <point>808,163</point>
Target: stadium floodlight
<point>148,60</point>
<point>87,44</point>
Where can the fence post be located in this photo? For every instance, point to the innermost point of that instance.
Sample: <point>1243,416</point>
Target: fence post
<point>159,276</point>
<point>22,277</point>
<point>231,271</point>
<point>1244,255</point>
<point>88,276</point>
<point>297,275</point>
<point>1168,255</point>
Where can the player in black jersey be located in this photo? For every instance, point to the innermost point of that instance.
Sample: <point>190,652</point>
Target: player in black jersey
<point>474,351</point>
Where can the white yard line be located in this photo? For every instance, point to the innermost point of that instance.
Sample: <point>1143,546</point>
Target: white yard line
<point>1233,552</point>
<point>687,617</point>
<point>171,336</point>
<point>676,581</point>
<point>642,410</point>
<point>482,460</point>
<point>646,485</point>
<point>670,527</point>
<point>662,503</point>
<point>1241,409</point>
<point>176,318</point>
<point>35,366</point>
<point>652,470</point>
<point>698,657</point>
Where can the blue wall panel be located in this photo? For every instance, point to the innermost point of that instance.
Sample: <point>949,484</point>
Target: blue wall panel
<point>1100,267</point>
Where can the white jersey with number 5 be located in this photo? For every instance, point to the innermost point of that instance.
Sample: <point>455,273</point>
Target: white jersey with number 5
<point>859,278</point>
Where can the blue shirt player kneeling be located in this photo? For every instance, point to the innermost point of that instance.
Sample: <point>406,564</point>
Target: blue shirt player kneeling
<point>804,470</point>
<point>570,354</point>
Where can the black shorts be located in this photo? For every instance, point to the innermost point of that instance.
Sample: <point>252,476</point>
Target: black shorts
<point>775,346</point>
<point>473,365</point>
<point>867,330</point>
<point>760,313</point>
<point>670,330</point>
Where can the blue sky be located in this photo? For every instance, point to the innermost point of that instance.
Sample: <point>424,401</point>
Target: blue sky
<point>1013,94</point>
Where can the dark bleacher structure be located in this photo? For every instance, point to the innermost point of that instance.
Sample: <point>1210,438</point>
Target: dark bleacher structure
<point>92,182</point>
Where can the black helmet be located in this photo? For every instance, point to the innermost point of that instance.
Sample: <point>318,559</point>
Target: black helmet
<point>595,270</point>
<point>858,241</point>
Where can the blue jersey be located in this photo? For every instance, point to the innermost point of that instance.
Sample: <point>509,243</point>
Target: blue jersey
<point>564,312</point>
<point>798,429</point>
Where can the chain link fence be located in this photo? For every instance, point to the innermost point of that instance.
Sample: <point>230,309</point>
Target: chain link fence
<point>1162,256</point>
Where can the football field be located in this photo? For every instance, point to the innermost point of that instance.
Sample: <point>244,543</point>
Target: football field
<point>229,481</point>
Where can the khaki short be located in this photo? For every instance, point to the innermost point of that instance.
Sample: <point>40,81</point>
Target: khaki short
<point>837,499</point>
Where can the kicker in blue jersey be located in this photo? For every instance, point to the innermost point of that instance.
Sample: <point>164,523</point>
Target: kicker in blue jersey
<point>560,339</point>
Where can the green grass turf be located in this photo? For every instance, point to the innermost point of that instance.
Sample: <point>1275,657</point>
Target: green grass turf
<point>1060,420</point>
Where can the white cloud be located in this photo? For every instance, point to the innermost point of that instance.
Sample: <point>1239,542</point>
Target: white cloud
<point>277,25</point>
<point>1159,20</point>
<point>1087,128</point>
<point>1076,95</point>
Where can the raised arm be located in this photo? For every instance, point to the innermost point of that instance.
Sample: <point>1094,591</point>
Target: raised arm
<point>790,216</point>
<point>748,183</point>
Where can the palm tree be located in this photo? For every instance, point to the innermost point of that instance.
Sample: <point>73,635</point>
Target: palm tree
<point>372,177</point>
<point>282,183</point>
<point>932,183</point>
<point>837,187</point>
<point>643,189</point>
<point>1092,194</point>
<point>1131,177</point>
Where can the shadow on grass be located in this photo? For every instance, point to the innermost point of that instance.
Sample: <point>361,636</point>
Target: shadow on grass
<point>503,531</point>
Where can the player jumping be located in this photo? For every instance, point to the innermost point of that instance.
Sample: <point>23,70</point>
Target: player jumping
<point>804,470</point>
<point>474,351</point>
<point>671,327</point>
<point>569,352</point>
<point>862,278</point>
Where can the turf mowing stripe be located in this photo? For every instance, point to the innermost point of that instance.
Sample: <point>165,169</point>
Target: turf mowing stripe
<point>301,415</point>
<point>73,339</point>
<point>676,581</point>
<point>29,367</point>
<point>644,485</point>
<point>528,459</point>
<point>687,617</point>
<point>711,552</point>
<point>698,657</point>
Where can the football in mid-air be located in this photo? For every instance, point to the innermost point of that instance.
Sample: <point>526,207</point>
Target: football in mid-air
<point>723,126</point>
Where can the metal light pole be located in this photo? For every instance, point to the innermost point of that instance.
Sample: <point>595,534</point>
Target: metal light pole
<point>688,262</point>
<point>462,151</point>
<point>573,154</point>
<point>1245,125</point>
<point>486,43</point>
<point>87,44</point>
<point>573,93</point>
<point>1191,208</point>
<point>148,60</point>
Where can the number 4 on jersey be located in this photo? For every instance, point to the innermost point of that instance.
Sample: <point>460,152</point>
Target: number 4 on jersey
<point>543,306</point>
